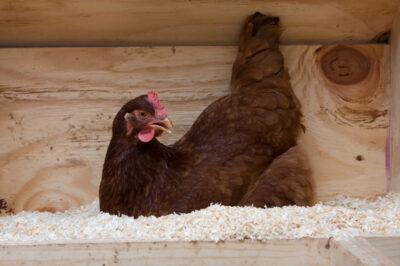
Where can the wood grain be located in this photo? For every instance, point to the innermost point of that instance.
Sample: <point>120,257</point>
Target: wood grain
<point>389,246</point>
<point>178,22</point>
<point>57,106</point>
<point>306,251</point>
<point>270,252</point>
<point>394,139</point>
<point>357,251</point>
<point>346,125</point>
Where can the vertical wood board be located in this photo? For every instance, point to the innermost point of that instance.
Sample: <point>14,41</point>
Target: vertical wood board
<point>394,139</point>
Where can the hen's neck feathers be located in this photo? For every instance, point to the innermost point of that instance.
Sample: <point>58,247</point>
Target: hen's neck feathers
<point>137,163</point>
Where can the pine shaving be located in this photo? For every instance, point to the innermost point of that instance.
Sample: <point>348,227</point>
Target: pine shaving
<point>344,217</point>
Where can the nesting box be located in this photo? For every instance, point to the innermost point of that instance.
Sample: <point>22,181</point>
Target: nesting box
<point>67,67</point>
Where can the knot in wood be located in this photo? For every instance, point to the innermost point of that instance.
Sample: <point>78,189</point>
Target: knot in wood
<point>345,66</point>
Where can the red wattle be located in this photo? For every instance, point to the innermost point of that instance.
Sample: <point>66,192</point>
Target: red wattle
<point>146,134</point>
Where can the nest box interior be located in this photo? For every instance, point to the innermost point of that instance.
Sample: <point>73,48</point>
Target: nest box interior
<point>58,100</point>
<point>66,67</point>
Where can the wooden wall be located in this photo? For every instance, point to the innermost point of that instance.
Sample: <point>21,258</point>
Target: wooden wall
<point>184,22</point>
<point>57,106</point>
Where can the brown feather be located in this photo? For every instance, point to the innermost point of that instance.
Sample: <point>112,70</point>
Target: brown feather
<point>233,152</point>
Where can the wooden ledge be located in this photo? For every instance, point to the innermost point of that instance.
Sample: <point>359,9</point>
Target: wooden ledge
<point>307,251</point>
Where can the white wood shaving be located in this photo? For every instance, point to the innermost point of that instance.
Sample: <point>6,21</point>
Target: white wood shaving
<point>343,217</point>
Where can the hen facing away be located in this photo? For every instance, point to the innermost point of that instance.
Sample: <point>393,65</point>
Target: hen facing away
<point>240,151</point>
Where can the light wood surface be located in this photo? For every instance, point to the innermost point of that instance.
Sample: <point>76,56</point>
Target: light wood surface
<point>178,22</point>
<point>57,106</point>
<point>394,138</point>
<point>306,251</point>
<point>346,125</point>
<point>271,252</point>
<point>357,251</point>
<point>389,246</point>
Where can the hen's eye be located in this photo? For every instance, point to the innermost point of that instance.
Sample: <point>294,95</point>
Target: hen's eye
<point>143,114</point>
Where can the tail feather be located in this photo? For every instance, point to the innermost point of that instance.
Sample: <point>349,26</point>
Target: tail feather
<point>260,27</point>
<point>259,57</point>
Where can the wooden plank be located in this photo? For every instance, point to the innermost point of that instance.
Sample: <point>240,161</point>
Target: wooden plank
<point>356,251</point>
<point>394,136</point>
<point>271,252</point>
<point>389,246</point>
<point>306,251</point>
<point>57,106</point>
<point>177,22</point>
<point>346,124</point>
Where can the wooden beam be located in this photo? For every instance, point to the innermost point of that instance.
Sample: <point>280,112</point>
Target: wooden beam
<point>394,135</point>
<point>270,252</point>
<point>57,107</point>
<point>176,22</point>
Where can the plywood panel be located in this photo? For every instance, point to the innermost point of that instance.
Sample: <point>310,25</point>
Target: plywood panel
<point>57,106</point>
<point>346,120</point>
<point>178,22</point>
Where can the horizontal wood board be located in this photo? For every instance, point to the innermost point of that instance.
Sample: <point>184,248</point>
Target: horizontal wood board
<point>186,22</point>
<point>306,251</point>
<point>273,252</point>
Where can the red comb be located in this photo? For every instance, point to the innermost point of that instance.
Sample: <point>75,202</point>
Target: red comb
<point>153,99</point>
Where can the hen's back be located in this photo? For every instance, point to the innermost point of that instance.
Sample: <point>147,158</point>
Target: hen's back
<point>262,110</point>
<point>230,147</point>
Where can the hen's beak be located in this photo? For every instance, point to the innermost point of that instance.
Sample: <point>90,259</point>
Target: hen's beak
<point>164,125</point>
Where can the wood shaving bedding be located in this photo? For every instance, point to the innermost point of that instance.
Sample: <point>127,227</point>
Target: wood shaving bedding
<point>343,217</point>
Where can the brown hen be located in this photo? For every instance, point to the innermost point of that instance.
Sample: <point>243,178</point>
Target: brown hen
<point>240,151</point>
